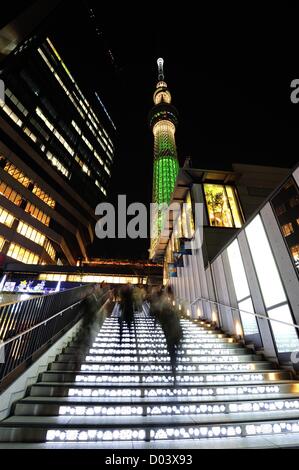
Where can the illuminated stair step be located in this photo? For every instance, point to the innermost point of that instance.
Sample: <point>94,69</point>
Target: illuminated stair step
<point>112,367</point>
<point>164,378</point>
<point>109,392</point>
<point>189,352</point>
<point>224,431</point>
<point>147,390</point>
<point>113,341</point>
<point>157,409</point>
<point>159,333</point>
<point>125,420</point>
<point>191,431</point>
<point>153,358</point>
<point>157,400</point>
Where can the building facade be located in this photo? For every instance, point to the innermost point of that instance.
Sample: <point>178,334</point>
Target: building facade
<point>246,282</point>
<point>56,156</point>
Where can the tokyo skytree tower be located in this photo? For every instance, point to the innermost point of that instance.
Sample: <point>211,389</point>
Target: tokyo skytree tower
<point>163,120</point>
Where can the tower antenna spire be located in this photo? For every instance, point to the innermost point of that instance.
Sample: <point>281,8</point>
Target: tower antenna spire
<point>160,63</point>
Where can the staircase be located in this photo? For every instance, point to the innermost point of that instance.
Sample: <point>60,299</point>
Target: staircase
<point>113,395</point>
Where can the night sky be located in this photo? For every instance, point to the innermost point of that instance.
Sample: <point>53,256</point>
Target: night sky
<point>228,69</point>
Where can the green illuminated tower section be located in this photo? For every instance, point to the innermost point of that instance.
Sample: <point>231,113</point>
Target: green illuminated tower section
<point>163,122</point>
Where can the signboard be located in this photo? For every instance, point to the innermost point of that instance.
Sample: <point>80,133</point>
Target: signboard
<point>172,270</point>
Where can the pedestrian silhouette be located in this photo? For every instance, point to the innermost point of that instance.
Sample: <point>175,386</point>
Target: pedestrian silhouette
<point>126,310</point>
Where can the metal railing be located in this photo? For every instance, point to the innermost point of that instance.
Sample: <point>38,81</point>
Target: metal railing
<point>28,326</point>
<point>258,315</point>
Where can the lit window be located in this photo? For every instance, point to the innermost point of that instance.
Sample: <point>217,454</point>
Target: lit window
<point>223,207</point>
<point>10,193</point>
<point>287,229</point>
<point>37,214</point>
<point>43,117</point>
<point>87,142</point>
<point>86,169</point>
<point>98,157</point>
<point>29,232</point>
<point>43,196</point>
<point>55,162</point>
<point>46,60</point>
<point>30,134</point>
<point>2,241</point>
<point>6,218</point>
<point>76,127</point>
<point>11,114</point>
<point>17,174</point>
<point>50,250</point>
<point>101,187</point>
<point>295,254</point>
<point>16,102</point>
<point>21,254</point>
<point>63,142</point>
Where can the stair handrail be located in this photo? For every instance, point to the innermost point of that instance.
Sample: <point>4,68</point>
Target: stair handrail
<point>258,315</point>
<point>44,322</point>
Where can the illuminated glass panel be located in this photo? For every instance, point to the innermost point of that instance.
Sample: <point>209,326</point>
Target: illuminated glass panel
<point>187,217</point>
<point>238,271</point>
<point>264,262</point>
<point>242,291</point>
<point>222,205</point>
<point>285,336</point>
<point>234,206</point>
<point>248,321</point>
<point>271,286</point>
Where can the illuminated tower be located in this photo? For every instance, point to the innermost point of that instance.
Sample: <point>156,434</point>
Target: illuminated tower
<point>163,120</point>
